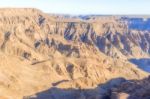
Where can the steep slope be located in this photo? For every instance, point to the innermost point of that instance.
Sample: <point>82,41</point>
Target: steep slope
<point>39,51</point>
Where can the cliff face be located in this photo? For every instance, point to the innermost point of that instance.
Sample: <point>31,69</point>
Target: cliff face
<point>114,36</point>
<point>39,51</point>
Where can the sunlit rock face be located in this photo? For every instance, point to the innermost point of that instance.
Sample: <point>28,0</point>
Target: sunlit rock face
<point>39,51</point>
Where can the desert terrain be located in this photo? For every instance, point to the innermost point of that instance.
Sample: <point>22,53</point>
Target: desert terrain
<point>49,56</point>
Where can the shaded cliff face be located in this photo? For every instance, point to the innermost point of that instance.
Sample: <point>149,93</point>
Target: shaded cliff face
<point>39,51</point>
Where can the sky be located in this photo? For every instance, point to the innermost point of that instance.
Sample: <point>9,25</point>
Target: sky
<point>82,7</point>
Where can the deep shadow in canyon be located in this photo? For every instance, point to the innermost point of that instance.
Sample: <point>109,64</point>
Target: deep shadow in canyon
<point>142,63</point>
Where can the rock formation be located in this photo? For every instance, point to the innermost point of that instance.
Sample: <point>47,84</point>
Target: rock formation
<point>40,51</point>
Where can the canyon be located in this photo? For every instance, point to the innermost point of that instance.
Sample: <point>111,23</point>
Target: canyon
<point>49,56</point>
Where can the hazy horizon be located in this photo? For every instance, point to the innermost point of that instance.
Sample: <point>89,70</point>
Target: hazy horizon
<point>84,7</point>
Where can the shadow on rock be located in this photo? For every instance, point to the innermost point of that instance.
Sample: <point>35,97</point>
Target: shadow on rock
<point>118,88</point>
<point>143,63</point>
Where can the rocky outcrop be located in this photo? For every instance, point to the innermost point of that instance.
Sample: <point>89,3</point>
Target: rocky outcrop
<point>134,89</point>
